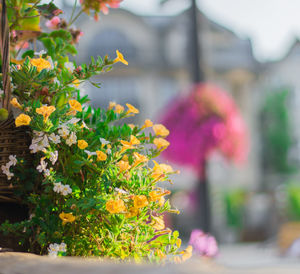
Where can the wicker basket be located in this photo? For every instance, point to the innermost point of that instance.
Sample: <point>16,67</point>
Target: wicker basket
<point>13,140</point>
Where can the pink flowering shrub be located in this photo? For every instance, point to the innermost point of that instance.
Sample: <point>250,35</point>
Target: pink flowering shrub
<point>205,121</point>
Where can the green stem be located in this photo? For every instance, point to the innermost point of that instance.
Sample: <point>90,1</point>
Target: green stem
<point>73,11</point>
<point>75,18</point>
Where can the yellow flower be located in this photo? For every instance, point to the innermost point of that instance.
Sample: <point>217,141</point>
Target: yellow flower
<point>140,201</point>
<point>14,102</point>
<point>130,145</point>
<point>75,105</point>
<point>82,144</point>
<point>158,223</point>
<point>123,165</point>
<point>156,195</point>
<point>132,109</point>
<point>161,130</point>
<point>67,218</point>
<point>22,120</point>
<point>187,253</point>
<point>119,109</point>
<point>148,123</point>
<point>115,206</point>
<point>40,64</point>
<point>161,143</point>
<point>160,254</point>
<point>133,211</point>
<point>139,158</point>
<point>45,111</point>
<point>120,58</point>
<point>161,201</point>
<point>134,140</point>
<point>76,82</point>
<point>178,242</point>
<point>111,105</point>
<point>160,169</point>
<point>101,156</point>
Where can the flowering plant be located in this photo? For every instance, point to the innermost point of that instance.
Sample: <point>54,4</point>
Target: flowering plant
<point>92,190</point>
<point>212,122</point>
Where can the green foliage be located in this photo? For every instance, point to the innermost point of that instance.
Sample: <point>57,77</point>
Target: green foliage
<point>293,201</point>
<point>234,205</point>
<point>276,132</point>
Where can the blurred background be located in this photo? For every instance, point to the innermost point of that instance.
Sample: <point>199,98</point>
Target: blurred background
<point>247,50</point>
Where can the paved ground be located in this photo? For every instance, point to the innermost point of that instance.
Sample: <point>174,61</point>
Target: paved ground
<point>241,259</point>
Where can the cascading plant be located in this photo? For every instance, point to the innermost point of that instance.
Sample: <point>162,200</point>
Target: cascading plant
<point>93,187</point>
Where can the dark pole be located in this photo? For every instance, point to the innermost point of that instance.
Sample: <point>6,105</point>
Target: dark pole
<point>197,74</point>
<point>196,71</point>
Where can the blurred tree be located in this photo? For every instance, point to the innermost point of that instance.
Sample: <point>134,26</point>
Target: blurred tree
<point>276,133</point>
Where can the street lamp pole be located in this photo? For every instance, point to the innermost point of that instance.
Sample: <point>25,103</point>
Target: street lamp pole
<point>197,75</point>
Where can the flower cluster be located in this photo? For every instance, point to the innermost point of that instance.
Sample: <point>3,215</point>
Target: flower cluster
<point>99,6</point>
<point>211,121</point>
<point>57,249</point>
<point>93,183</point>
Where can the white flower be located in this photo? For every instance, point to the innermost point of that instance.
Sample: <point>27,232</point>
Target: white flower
<point>57,187</point>
<point>50,61</point>
<point>6,171</point>
<point>34,148</point>
<point>42,166</point>
<point>39,142</point>
<point>63,247</point>
<point>5,168</point>
<point>56,81</point>
<point>9,175</point>
<point>104,142</point>
<point>66,190</point>
<point>72,139</point>
<point>121,191</point>
<point>69,66</point>
<point>64,132</point>
<point>45,142</point>
<point>53,249</point>
<point>40,53</point>
<point>54,138</point>
<point>89,153</point>
<point>46,172</point>
<point>72,121</point>
<point>12,159</point>
<point>53,157</point>
<point>84,125</point>
<point>38,133</point>
<point>108,151</point>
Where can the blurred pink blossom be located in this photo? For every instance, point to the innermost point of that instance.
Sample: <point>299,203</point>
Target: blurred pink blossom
<point>203,244</point>
<point>206,120</point>
<point>53,23</point>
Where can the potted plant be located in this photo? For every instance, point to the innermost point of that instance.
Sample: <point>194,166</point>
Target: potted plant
<point>91,185</point>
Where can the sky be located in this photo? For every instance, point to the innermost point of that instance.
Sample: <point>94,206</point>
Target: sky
<point>272,25</point>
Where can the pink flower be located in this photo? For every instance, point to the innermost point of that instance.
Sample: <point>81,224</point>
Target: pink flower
<point>203,122</point>
<point>203,244</point>
<point>53,23</point>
